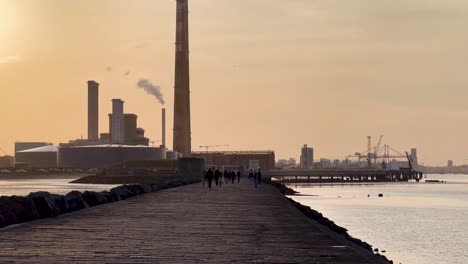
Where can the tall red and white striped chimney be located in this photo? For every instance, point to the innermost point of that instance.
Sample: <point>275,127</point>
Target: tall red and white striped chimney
<point>182,130</point>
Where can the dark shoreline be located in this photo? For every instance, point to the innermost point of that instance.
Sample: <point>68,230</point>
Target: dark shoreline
<point>41,176</point>
<point>318,217</point>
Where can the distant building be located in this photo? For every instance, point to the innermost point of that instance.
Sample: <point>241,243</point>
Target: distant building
<point>117,123</point>
<point>282,163</point>
<point>292,162</point>
<point>37,158</point>
<point>6,162</point>
<point>20,146</point>
<point>244,159</point>
<point>106,156</point>
<point>128,131</point>
<point>286,163</point>
<point>450,164</point>
<point>93,110</point>
<point>133,135</point>
<point>307,157</point>
<point>414,156</point>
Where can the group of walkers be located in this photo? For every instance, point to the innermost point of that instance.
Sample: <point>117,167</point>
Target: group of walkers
<point>220,177</point>
<point>255,177</point>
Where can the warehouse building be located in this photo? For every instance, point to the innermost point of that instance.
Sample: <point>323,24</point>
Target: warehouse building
<point>105,156</point>
<point>37,158</point>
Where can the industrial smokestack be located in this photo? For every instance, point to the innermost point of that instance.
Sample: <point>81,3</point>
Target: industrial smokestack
<point>163,142</point>
<point>93,110</point>
<point>117,121</point>
<point>182,126</point>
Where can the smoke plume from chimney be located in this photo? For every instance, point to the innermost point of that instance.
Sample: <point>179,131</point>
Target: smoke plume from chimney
<point>152,89</point>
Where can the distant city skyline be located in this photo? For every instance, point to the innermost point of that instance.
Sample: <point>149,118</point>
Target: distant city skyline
<point>264,74</point>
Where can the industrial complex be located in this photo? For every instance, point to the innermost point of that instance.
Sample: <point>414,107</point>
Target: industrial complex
<point>125,140</point>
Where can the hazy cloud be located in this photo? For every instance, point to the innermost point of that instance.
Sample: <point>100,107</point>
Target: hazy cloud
<point>109,68</point>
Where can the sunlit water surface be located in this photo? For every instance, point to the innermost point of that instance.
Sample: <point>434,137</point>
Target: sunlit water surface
<point>414,222</point>
<point>23,187</point>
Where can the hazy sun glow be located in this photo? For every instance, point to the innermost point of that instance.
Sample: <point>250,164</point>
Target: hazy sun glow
<point>7,22</point>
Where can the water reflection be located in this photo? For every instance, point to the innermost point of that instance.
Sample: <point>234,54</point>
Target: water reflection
<point>415,223</point>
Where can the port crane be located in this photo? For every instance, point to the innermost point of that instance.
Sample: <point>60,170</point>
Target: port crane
<point>3,151</point>
<point>378,153</point>
<point>207,147</point>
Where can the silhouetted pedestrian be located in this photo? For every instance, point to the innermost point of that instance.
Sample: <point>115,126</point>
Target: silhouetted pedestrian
<point>217,175</point>
<point>259,176</point>
<point>209,177</point>
<point>238,176</point>
<point>255,178</point>
<point>233,177</point>
<point>226,180</point>
<point>204,177</point>
<point>251,175</point>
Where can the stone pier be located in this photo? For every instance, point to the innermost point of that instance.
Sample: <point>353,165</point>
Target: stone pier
<point>190,224</point>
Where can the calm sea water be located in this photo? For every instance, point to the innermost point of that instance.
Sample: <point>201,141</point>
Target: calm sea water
<point>415,223</point>
<point>23,187</point>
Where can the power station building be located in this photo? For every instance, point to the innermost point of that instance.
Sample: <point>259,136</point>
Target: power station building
<point>132,134</point>
<point>123,128</point>
<point>105,156</point>
<point>20,146</point>
<point>117,122</point>
<point>124,142</point>
<point>37,158</point>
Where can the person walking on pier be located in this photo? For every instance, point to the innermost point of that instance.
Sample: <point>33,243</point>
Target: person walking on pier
<point>204,177</point>
<point>226,180</point>
<point>233,177</point>
<point>251,175</point>
<point>217,175</point>
<point>259,176</point>
<point>255,179</point>
<point>238,176</point>
<point>209,177</point>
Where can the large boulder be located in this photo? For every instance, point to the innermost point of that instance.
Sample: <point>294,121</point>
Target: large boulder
<point>94,198</point>
<point>15,209</point>
<point>109,197</point>
<point>155,187</point>
<point>174,183</point>
<point>75,201</point>
<point>147,188</point>
<point>136,189</point>
<point>121,193</point>
<point>45,204</point>
<point>61,203</point>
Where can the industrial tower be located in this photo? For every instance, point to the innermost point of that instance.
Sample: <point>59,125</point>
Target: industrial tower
<point>93,110</point>
<point>182,131</point>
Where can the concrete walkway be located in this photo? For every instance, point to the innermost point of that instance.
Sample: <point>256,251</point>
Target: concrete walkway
<point>191,224</point>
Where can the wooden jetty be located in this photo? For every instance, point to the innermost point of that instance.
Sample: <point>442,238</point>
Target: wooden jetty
<point>343,175</point>
<point>190,224</point>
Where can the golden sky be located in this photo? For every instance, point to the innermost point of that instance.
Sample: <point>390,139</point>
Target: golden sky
<point>266,74</point>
